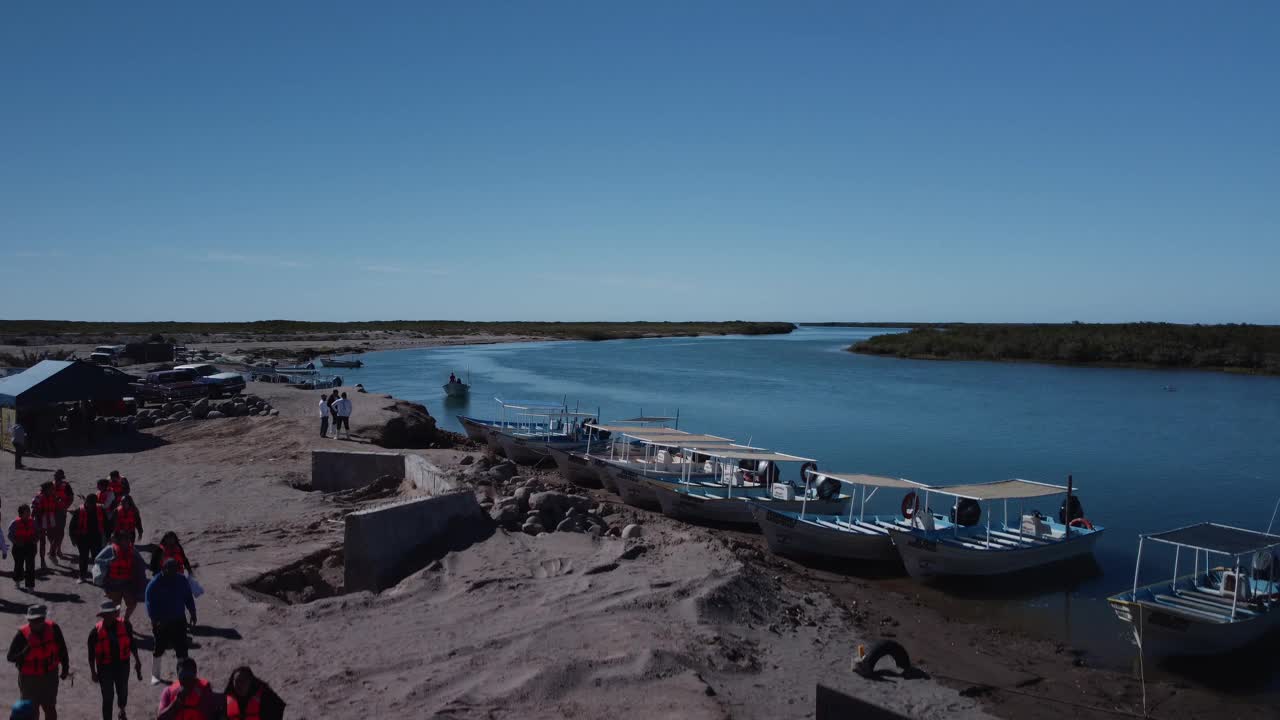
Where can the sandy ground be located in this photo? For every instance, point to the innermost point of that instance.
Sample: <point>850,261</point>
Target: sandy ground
<point>700,624</point>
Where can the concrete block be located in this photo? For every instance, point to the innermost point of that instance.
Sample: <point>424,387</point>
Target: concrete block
<point>426,476</point>
<point>334,470</point>
<point>380,542</point>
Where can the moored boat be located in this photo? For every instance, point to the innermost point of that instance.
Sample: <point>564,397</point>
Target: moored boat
<point>584,466</point>
<point>342,363</point>
<point>841,536</point>
<point>964,547</point>
<point>1214,609</point>
<point>742,476</point>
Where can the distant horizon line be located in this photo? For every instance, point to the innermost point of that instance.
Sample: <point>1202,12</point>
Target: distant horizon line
<point>799,323</point>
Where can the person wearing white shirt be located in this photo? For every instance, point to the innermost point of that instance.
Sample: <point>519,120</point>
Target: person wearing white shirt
<point>342,411</point>
<point>324,417</point>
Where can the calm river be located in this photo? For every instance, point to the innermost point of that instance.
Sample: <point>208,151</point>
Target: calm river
<point>1144,458</point>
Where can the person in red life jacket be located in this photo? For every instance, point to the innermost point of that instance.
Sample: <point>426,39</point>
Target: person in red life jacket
<point>118,484</point>
<point>44,510</point>
<point>170,548</point>
<point>38,649</point>
<point>110,645</point>
<point>249,698</point>
<point>66,497</point>
<point>106,498</point>
<point>190,697</point>
<point>122,573</point>
<point>128,519</point>
<point>22,534</point>
<point>89,532</point>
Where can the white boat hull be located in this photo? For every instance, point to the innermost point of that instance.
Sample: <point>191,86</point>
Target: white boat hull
<point>532,451</point>
<point>1169,634</point>
<point>602,474</point>
<point>576,467</point>
<point>924,558</point>
<point>631,487</point>
<point>730,510</point>
<point>787,536</point>
<point>456,389</point>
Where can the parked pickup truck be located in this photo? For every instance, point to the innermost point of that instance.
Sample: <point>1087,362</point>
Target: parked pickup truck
<point>169,386</point>
<point>221,384</point>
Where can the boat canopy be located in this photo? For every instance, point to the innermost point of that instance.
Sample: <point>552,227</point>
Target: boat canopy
<point>1000,490</point>
<point>685,440</point>
<point>648,419</point>
<point>743,452</point>
<point>869,480</point>
<point>1222,539</point>
<point>632,429</point>
<point>533,405</point>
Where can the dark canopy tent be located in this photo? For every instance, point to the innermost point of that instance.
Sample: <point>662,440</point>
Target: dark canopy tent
<point>54,381</point>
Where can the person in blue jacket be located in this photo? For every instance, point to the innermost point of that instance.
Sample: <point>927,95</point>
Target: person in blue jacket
<point>169,599</point>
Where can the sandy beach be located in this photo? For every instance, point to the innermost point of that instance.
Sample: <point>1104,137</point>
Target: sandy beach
<point>685,621</point>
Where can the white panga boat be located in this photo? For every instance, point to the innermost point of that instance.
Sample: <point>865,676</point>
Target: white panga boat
<point>523,416</point>
<point>742,476</point>
<point>1214,609</point>
<point>538,429</point>
<point>851,535</point>
<point>456,388</point>
<point>585,466</point>
<point>342,362</point>
<point>965,546</point>
<point>656,452</point>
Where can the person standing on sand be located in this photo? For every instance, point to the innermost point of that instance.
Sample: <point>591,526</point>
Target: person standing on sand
<point>18,436</point>
<point>128,519</point>
<point>38,649</point>
<point>169,599</point>
<point>106,498</point>
<point>325,412</point>
<point>249,698</point>
<point>88,533</point>
<point>118,484</point>
<point>66,497</point>
<point>122,573</point>
<point>22,533</point>
<point>110,645</point>
<point>342,410</point>
<point>44,509</point>
<point>190,697</point>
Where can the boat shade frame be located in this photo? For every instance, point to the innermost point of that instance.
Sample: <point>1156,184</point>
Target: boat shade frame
<point>532,405</point>
<point>632,429</point>
<point>681,441</point>
<point>750,453</point>
<point>1216,538</point>
<point>871,480</point>
<point>1014,489</point>
<point>647,419</point>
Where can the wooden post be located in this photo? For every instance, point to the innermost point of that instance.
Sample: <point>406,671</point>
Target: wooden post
<point>1066,515</point>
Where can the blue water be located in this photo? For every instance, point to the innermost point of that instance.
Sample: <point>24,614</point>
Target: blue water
<point>1143,458</point>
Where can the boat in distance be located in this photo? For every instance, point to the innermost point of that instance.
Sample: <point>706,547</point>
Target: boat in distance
<point>342,363</point>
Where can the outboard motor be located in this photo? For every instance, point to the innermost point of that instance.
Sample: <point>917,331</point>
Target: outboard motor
<point>805,469</point>
<point>828,489</point>
<point>966,512</point>
<point>1066,515</point>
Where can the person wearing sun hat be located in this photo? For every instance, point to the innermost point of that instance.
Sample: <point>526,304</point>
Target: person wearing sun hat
<point>110,645</point>
<point>38,649</point>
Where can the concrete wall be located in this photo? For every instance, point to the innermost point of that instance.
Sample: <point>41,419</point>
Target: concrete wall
<point>333,470</point>
<point>380,542</point>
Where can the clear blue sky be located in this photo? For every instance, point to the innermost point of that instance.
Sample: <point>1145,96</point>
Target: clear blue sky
<point>648,160</point>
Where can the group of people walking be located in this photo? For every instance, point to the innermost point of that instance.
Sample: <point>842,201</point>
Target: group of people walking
<point>335,408</point>
<point>106,528</point>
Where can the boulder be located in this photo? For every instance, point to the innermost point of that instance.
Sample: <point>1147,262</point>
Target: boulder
<point>200,409</point>
<point>533,528</point>
<point>569,524</point>
<point>506,515</point>
<point>632,531</point>
<point>467,460</point>
<point>214,415</point>
<point>522,498</point>
<point>556,502</point>
<point>274,413</point>
<point>503,471</point>
<point>146,422</point>
<point>411,427</point>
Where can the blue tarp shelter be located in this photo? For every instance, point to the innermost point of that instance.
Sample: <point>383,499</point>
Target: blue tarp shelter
<point>54,381</point>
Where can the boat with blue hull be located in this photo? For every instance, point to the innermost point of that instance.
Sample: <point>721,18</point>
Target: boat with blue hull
<point>1222,605</point>
<point>966,547</point>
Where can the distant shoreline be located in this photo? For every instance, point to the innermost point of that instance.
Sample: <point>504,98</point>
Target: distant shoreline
<point>24,340</point>
<point>1239,349</point>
